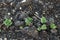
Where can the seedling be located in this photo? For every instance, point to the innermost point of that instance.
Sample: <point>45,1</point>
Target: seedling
<point>39,29</point>
<point>21,27</point>
<point>7,22</point>
<point>43,27</point>
<point>28,20</point>
<point>53,26</point>
<point>43,19</point>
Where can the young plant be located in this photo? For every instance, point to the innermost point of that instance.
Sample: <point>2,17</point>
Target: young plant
<point>28,20</point>
<point>43,27</point>
<point>39,28</point>
<point>21,27</point>
<point>7,22</point>
<point>53,26</point>
<point>43,19</point>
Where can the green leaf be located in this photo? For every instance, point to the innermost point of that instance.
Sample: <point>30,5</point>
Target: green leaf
<point>43,19</point>
<point>43,27</point>
<point>7,22</point>
<point>39,29</point>
<point>28,20</point>
<point>53,26</point>
<point>21,27</point>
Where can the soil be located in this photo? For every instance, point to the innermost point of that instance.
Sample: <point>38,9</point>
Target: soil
<point>18,10</point>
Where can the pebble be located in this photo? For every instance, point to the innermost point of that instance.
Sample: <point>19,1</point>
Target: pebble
<point>17,23</point>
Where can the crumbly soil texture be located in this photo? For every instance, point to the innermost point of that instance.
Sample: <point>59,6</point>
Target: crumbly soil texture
<point>24,19</point>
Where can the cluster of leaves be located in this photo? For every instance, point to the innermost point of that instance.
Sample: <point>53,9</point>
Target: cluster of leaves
<point>43,19</point>
<point>44,27</point>
<point>7,22</point>
<point>53,26</point>
<point>28,20</point>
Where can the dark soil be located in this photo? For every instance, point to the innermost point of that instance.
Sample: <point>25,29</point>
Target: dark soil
<point>17,11</point>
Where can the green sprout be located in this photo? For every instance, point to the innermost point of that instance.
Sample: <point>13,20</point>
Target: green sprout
<point>21,27</point>
<point>53,26</point>
<point>28,20</point>
<point>43,27</point>
<point>7,22</point>
<point>39,29</point>
<point>43,19</point>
